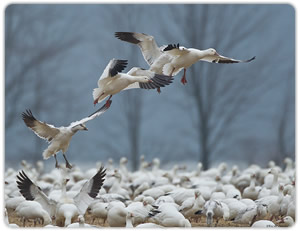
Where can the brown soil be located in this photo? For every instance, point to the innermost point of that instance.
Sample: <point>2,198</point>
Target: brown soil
<point>13,218</point>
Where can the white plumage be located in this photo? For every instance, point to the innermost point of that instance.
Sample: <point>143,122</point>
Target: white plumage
<point>58,137</point>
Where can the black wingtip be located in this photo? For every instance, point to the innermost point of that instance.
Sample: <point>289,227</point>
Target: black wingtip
<point>127,37</point>
<point>118,66</point>
<point>28,118</point>
<point>98,182</point>
<point>171,47</point>
<point>249,60</point>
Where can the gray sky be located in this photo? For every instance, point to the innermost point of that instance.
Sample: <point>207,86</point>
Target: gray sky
<point>78,41</point>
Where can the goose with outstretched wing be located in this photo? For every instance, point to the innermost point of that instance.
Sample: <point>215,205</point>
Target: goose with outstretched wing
<point>112,81</point>
<point>58,137</point>
<point>65,205</point>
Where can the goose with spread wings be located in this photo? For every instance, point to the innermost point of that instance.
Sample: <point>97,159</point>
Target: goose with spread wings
<point>79,203</point>
<point>186,57</point>
<point>171,59</point>
<point>112,81</point>
<point>58,137</point>
<point>153,55</point>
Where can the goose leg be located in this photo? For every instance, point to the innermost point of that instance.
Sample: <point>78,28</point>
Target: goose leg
<point>107,104</point>
<point>183,79</point>
<point>56,162</point>
<point>158,89</point>
<point>68,165</point>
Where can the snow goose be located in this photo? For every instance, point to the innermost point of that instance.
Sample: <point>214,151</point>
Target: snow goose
<point>263,224</point>
<point>153,55</point>
<point>116,186</point>
<point>248,215</point>
<point>66,207</point>
<point>235,206</point>
<point>112,81</point>
<point>58,137</point>
<point>215,209</point>
<point>251,191</point>
<point>192,205</point>
<point>286,221</point>
<point>98,210</point>
<point>186,57</point>
<point>140,211</point>
<point>116,214</point>
<point>273,202</point>
<point>32,210</point>
<point>169,216</point>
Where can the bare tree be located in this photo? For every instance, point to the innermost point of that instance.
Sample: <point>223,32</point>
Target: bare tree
<point>31,43</point>
<point>219,98</point>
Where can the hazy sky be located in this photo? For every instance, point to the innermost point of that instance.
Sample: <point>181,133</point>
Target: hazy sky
<point>59,89</point>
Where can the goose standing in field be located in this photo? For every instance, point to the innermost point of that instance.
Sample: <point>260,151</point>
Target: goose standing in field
<point>32,210</point>
<point>112,81</point>
<point>251,191</point>
<point>192,205</point>
<point>59,137</point>
<point>66,208</point>
<point>169,60</point>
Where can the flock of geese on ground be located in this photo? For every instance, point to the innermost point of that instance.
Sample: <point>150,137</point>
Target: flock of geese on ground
<point>151,196</point>
<point>164,63</point>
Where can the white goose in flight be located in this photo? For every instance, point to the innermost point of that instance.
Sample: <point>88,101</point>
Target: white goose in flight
<point>65,206</point>
<point>112,81</point>
<point>58,137</point>
<point>186,57</point>
<point>169,60</point>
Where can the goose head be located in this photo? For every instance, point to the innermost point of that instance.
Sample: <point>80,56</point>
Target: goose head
<point>79,127</point>
<point>212,51</point>
<point>289,221</point>
<point>144,79</point>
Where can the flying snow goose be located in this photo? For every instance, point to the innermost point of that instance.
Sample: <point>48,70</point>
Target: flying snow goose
<point>112,81</point>
<point>58,137</point>
<point>186,57</point>
<point>170,59</point>
<point>81,201</point>
<point>153,55</point>
<point>151,52</point>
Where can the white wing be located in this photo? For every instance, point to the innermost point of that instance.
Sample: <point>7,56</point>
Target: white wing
<point>113,68</point>
<point>147,44</point>
<point>89,191</point>
<point>41,129</point>
<point>32,192</point>
<point>99,112</point>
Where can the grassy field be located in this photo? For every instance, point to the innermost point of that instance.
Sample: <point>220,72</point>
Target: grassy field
<point>13,218</point>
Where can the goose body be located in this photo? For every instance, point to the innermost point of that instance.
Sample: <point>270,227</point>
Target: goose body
<point>171,59</point>
<point>32,210</point>
<point>263,224</point>
<point>112,81</point>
